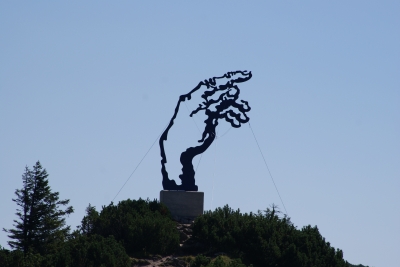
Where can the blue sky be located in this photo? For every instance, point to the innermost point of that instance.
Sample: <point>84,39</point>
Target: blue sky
<point>86,88</point>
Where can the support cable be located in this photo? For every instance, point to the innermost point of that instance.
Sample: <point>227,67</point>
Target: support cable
<point>192,117</point>
<point>198,163</point>
<point>215,166</point>
<point>225,132</point>
<point>268,168</point>
<point>139,164</point>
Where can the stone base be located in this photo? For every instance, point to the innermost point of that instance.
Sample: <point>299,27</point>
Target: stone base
<point>184,206</point>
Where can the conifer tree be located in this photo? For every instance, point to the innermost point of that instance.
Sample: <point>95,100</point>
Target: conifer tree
<point>88,222</point>
<point>40,226</point>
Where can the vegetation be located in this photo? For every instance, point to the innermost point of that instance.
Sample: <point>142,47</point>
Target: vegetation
<point>91,250</point>
<point>144,229</point>
<point>78,251</point>
<point>265,239</point>
<point>41,225</point>
<point>220,261</point>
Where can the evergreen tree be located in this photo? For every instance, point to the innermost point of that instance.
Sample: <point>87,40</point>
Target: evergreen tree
<point>40,227</point>
<point>88,222</point>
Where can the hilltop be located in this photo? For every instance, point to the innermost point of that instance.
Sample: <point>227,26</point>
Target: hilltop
<point>142,233</point>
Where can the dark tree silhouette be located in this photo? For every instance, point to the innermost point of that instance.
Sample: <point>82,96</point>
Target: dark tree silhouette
<point>40,227</point>
<point>220,102</point>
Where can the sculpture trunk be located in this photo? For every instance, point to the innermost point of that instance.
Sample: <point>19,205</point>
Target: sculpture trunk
<point>187,176</point>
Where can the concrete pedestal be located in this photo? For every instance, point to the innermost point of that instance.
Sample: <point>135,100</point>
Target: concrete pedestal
<point>184,206</point>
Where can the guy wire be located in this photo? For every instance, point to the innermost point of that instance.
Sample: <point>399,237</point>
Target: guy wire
<point>268,168</point>
<point>215,166</point>
<point>139,163</point>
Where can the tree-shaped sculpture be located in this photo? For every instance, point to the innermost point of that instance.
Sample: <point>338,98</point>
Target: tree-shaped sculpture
<point>220,102</point>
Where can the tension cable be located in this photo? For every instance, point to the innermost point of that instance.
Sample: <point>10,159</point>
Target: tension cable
<point>215,166</point>
<point>268,168</point>
<point>138,164</point>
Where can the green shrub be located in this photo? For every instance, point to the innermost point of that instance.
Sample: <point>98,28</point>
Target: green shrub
<point>223,261</point>
<point>264,239</point>
<point>81,251</point>
<point>142,226</point>
<point>16,258</point>
<point>200,260</point>
<point>90,251</point>
<point>220,261</point>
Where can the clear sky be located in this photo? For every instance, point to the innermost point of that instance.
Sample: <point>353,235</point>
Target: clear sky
<point>86,87</point>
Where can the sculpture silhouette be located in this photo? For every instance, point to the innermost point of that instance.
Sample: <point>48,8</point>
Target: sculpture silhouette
<point>223,107</point>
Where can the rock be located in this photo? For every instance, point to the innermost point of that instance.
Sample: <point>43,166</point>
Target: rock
<point>183,236</point>
<point>176,262</point>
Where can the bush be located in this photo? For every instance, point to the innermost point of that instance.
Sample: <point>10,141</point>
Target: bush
<point>91,251</point>
<point>220,261</point>
<point>223,261</point>
<point>16,258</point>
<point>264,239</point>
<point>199,261</point>
<point>81,251</point>
<point>141,226</point>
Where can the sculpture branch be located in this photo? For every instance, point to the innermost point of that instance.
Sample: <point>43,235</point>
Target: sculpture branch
<point>226,107</point>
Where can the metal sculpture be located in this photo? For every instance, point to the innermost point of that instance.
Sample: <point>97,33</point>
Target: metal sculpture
<point>225,106</point>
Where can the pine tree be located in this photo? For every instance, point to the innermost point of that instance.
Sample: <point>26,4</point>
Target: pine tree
<point>40,227</point>
<point>88,222</point>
